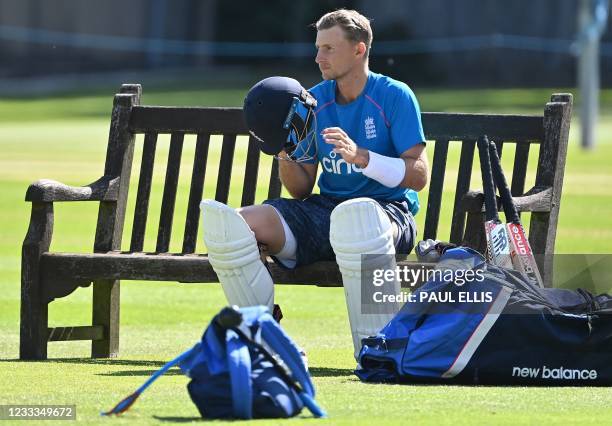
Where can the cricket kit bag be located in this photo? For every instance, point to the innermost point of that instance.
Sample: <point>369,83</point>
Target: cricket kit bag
<point>500,329</point>
<point>244,367</point>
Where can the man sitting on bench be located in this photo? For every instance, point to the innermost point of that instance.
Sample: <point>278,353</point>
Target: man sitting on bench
<point>365,130</point>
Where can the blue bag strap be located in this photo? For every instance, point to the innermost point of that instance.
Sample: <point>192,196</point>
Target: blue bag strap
<point>276,339</point>
<point>280,343</point>
<point>126,403</point>
<point>239,363</point>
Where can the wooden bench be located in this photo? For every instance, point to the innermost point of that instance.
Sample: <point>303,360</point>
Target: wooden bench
<point>48,275</point>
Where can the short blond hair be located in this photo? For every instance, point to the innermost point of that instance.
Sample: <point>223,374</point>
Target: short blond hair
<point>356,27</point>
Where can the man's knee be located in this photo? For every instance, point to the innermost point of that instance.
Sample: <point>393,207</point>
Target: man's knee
<point>359,226</point>
<point>265,223</point>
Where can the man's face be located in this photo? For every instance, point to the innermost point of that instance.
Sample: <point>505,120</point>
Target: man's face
<point>336,55</point>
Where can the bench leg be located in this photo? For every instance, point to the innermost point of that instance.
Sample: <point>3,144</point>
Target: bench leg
<point>33,327</point>
<point>106,314</point>
<point>34,307</point>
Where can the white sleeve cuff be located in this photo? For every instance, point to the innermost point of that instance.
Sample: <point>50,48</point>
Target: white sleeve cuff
<point>387,170</point>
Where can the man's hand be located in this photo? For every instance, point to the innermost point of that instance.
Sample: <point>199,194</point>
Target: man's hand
<point>298,178</point>
<point>345,146</point>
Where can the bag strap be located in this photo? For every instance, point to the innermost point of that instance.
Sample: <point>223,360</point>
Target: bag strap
<point>279,342</point>
<point>127,402</point>
<point>239,363</point>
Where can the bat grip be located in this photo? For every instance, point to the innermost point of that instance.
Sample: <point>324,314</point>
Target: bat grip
<point>487,179</point>
<point>504,191</point>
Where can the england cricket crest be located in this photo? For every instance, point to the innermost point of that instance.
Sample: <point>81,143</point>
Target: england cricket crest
<point>370,128</point>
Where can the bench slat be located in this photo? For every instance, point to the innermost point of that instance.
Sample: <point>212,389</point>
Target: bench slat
<point>499,145</point>
<point>225,168</point>
<point>464,176</point>
<point>519,171</point>
<point>274,189</point>
<point>454,127</point>
<point>449,126</point>
<point>169,197</point>
<point>195,192</point>
<point>250,175</point>
<point>194,120</point>
<point>87,332</point>
<point>188,268</point>
<point>141,209</point>
<point>434,200</point>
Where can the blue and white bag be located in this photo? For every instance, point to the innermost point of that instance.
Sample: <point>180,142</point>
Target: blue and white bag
<point>501,330</point>
<point>244,367</point>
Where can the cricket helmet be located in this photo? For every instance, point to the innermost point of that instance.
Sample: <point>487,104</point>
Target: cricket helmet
<point>279,114</point>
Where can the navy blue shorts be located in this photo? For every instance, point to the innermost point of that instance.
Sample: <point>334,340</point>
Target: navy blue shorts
<point>309,220</point>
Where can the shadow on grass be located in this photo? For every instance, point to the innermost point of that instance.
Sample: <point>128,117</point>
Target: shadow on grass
<point>330,372</point>
<point>144,373</point>
<point>94,361</point>
<point>314,371</point>
<point>179,419</point>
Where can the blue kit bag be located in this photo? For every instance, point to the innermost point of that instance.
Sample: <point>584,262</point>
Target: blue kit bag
<point>499,330</point>
<point>244,367</point>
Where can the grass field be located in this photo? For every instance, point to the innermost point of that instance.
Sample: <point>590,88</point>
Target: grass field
<point>64,138</point>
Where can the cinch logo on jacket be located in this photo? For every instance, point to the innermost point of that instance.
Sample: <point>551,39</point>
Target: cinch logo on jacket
<point>335,164</point>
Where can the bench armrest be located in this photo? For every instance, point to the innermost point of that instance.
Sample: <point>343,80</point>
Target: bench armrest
<point>534,200</point>
<point>46,190</point>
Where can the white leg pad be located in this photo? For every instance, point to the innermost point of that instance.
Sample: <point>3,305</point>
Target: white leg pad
<point>360,226</point>
<point>234,255</point>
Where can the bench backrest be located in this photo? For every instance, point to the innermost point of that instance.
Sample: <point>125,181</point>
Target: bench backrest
<point>549,131</point>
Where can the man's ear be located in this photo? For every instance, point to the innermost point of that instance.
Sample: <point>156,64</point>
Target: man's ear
<point>361,48</point>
